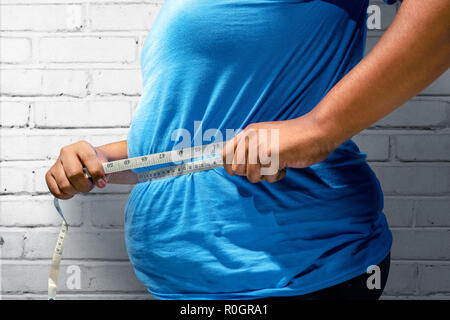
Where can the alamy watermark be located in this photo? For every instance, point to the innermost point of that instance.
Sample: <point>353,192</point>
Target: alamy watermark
<point>253,146</point>
<point>373,17</point>
<point>73,281</point>
<point>374,280</point>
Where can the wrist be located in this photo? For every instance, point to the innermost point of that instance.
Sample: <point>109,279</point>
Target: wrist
<point>327,133</point>
<point>102,154</point>
<point>113,151</point>
<point>305,141</point>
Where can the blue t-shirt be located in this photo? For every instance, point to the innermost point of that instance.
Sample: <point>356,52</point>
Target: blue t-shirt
<point>209,235</point>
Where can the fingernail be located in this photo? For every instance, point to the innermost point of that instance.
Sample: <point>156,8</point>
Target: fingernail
<point>101,183</point>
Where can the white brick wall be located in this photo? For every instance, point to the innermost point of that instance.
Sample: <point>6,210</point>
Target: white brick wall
<point>69,71</point>
<point>51,18</point>
<point>81,57</point>
<point>15,50</point>
<point>133,17</point>
<point>116,82</point>
<point>43,82</point>
<point>87,49</point>
<point>51,114</point>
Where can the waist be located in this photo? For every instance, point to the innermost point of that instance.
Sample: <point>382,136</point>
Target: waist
<point>346,192</point>
<point>242,236</point>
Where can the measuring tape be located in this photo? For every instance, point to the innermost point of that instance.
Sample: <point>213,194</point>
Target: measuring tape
<point>208,163</point>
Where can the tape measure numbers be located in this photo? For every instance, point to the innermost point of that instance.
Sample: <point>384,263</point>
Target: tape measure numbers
<point>57,254</point>
<point>165,157</point>
<point>207,163</point>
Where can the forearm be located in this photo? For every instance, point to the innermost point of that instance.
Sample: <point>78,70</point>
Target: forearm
<point>412,53</point>
<point>114,151</point>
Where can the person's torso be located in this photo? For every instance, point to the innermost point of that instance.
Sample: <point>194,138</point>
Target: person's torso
<point>222,65</point>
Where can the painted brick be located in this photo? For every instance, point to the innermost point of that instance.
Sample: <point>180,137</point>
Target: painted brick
<point>14,114</point>
<point>15,50</point>
<point>37,211</point>
<point>433,212</point>
<point>413,179</point>
<point>418,113</point>
<point>399,211</point>
<point>107,211</point>
<point>104,245</point>
<point>434,278</point>
<point>32,146</point>
<point>25,277</point>
<point>87,49</point>
<point>440,86</point>
<point>421,244</point>
<point>423,147</point>
<point>123,17</point>
<point>82,114</point>
<point>376,146</point>
<point>32,82</point>
<point>126,82</point>
<point>41,17</point>
<point>23,177</point>
<point>11,244</point>
<point>46,144</point>
<point>402,279</point>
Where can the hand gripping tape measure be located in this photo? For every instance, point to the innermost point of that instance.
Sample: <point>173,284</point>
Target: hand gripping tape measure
<point>210,158</point>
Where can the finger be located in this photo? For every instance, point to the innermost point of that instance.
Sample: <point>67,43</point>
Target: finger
<point>74,172</point>
<point>239,165</point>
<point>275,177</point>
<point>94,167</point>
<point>228,155</point>
<point>253,169</point>
<point>254,173</point>
<point>53,187</point>
<point>63,183</point>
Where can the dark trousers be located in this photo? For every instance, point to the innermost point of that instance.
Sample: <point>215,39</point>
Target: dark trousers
<point>353,289</point>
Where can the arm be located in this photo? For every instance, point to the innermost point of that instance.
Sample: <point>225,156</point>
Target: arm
<point>117,151</point>
<point>411,54</point>
<point>114,151</point>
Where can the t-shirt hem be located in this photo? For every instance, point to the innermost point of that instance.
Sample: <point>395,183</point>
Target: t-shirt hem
<point>273,292</point>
